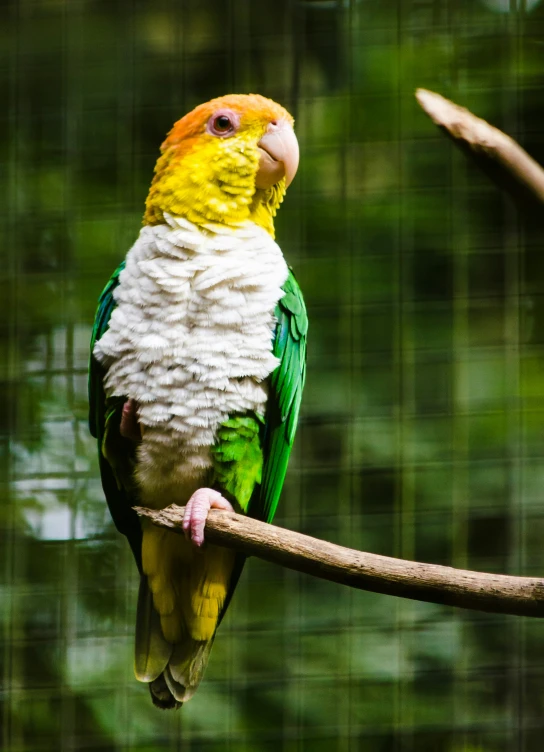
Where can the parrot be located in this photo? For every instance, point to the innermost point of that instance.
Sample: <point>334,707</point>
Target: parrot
<point>197,367</point>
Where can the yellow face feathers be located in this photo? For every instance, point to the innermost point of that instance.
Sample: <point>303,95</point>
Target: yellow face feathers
<point>213,157</point>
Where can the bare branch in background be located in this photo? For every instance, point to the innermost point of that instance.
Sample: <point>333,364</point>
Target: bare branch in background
<point>498,155</point>
<point>380,574</point>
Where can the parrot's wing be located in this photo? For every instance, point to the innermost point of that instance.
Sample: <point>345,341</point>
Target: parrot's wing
<point>285,393</point>
<point>115,454</point>
<point>97,402</point>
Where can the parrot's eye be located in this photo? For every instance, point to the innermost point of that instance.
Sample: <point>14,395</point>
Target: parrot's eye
<point>223,123</point>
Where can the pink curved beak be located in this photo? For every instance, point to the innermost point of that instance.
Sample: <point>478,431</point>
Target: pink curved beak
<point>279,155</point>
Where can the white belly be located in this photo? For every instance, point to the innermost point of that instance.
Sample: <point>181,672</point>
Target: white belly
<point>191,341</point>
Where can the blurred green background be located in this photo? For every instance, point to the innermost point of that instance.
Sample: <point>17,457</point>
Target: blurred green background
<point>422,431</point>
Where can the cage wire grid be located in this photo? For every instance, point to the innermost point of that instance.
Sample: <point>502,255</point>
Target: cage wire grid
<point>421,431</point>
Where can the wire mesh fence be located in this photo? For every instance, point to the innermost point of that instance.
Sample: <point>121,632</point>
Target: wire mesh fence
<point>421,434</point>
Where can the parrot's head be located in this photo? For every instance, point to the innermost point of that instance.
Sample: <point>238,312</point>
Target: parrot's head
<point>227,161</point>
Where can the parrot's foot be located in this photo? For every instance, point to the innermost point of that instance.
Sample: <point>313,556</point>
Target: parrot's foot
<point>197,510</point>
<point>130,428</point>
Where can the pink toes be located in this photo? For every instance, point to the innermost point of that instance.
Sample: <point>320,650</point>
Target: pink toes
<point>197,510</point>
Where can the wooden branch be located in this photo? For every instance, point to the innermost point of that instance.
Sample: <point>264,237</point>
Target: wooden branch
<point>381,574</point>
<point>498,155</point>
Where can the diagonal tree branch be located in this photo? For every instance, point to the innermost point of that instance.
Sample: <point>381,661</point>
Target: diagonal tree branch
<point>381,574</point>
<point>499,156</point>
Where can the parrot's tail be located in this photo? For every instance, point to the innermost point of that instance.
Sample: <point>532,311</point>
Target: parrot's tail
<point>161,695</point>
<point>173,672</point>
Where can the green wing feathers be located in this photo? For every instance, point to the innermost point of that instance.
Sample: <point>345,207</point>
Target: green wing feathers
<point>115,454</point>
<point>285,394</point>
<point>238,457</point>
<point>97,403</point>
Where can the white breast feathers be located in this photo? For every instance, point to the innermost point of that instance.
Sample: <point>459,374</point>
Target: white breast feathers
<point>191,337</point>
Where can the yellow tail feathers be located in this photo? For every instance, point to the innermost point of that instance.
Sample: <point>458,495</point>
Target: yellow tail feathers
<point>181,598</point>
